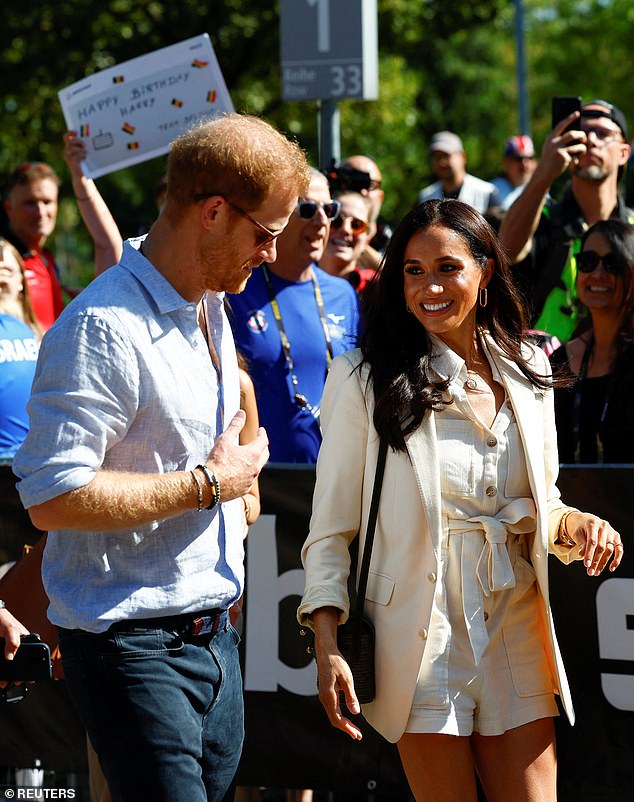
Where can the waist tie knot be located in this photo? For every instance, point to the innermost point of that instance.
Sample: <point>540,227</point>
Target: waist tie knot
<point>493,568</point>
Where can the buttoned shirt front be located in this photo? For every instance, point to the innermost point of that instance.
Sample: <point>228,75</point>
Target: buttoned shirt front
<point>125,382</point>
<point>486,495</point>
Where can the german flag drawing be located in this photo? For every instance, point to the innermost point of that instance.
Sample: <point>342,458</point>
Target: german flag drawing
<point>211,96</point>
<point>128,128</point>
<point>133,146</point>
<point>84,130</point>
<point>198,63</point>
<point>118,79</point>
<point>177,103</point>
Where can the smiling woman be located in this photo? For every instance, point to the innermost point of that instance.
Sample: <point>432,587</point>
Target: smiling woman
<point>466,654</point>
<point>595,419</point>
<point>348,235</point>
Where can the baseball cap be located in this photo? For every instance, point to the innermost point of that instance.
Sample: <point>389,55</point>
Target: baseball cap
<point>519,146</point>
<point>611,112</point>
<point>446,142</point>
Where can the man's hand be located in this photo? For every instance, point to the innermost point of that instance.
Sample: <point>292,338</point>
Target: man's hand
<point>10,630</point>
<point>237,467</point>
<point>74,153</point>
<point>561,148</point>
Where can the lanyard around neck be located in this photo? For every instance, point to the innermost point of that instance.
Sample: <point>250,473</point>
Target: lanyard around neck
<point>298,397</point>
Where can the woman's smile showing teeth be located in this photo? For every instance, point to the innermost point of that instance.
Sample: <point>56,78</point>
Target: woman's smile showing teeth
<point>435,307</point>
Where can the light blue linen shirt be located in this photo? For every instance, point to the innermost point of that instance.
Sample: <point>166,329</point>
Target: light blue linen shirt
<point>125,382</point>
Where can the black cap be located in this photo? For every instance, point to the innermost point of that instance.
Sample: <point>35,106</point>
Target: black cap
<point>611,112</point>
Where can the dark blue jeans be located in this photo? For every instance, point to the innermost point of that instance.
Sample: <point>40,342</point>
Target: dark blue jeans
<point>164,712</point>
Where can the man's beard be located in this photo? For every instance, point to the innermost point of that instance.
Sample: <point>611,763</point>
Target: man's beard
<point>593,172</point>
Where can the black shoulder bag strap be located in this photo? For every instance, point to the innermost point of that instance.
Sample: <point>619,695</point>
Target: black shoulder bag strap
<point>369,538</point>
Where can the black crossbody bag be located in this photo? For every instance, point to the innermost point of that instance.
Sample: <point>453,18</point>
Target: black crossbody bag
<point>355,638</point>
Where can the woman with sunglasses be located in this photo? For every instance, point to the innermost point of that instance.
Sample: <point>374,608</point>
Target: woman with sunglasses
<point>347,240</point>
<point>595,416</point>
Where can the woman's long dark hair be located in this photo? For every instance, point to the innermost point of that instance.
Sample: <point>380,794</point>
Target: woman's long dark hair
<point>397,347</point>
<point>620,236</point>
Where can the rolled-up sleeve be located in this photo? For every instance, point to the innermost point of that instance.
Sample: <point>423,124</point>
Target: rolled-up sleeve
<point>85,393</point>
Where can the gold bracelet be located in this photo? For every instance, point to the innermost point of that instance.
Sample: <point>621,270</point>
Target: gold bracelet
<point>562,535</point>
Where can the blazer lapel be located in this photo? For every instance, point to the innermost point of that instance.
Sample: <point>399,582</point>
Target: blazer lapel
<point>526,401</point>
<point>423,454</point>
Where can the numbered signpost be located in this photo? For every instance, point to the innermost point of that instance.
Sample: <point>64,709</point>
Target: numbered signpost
<point>329,49</point>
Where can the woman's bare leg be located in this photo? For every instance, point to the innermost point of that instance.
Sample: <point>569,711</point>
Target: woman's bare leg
<point>522,759</point>
<point>439,768</point>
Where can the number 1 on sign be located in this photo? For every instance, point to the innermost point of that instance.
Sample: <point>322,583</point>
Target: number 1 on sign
<point>323,24</point>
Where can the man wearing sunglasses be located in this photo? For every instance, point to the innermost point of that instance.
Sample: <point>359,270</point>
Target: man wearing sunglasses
<point>543,237</point>
<point>134,467</point>
<point>290,322</point>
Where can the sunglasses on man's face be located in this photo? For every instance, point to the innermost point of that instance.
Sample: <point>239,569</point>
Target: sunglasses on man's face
<point>357,225</point>
<point>308,209</point>
<point>587,261</point>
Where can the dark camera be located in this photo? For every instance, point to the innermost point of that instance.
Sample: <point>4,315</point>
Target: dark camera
<point>32,661</point>
<point>347,179</point>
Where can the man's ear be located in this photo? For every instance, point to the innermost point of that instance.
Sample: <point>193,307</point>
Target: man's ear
<point>209,210</point>
<point>625,153</point>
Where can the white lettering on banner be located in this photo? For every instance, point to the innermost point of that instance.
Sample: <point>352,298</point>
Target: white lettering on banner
<point>263,670</point>
<point>615,603</point>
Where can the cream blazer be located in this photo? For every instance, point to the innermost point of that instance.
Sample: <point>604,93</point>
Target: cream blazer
<point>405,567</point>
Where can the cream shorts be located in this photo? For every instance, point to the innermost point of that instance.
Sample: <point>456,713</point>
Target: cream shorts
<point>511,685</point>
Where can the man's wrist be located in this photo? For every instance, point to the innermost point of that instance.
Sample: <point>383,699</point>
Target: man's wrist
<point>213,482</point>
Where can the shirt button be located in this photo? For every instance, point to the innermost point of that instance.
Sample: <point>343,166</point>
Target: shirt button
<point>431,576</point>
<point>491,441</point>
<point>491,491</point>
<point>423,634</point>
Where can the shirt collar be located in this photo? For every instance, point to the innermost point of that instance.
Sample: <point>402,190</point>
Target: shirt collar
<point>447,365</point>
<point>166,298</point>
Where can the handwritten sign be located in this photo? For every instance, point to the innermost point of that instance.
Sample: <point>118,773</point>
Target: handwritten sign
<point>130,113</point>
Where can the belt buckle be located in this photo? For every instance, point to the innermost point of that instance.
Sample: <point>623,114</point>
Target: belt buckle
<point>205,625</point>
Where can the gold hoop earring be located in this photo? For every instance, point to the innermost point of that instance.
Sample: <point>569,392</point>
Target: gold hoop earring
<point>483,296</point>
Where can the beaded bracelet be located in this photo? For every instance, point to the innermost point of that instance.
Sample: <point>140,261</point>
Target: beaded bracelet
<point>199,488</point>
<point>213,483</point>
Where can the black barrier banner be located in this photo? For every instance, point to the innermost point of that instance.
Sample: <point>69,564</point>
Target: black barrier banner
<point>289,741</point>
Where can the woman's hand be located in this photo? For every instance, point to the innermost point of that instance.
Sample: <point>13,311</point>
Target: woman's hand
<point>597,540</point>
<point>333,673</point>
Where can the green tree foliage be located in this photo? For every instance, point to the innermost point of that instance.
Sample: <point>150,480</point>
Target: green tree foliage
<point>443,64</point>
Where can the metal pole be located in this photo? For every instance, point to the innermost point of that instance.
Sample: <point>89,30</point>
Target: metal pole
<point>329,133</point>
<point>522,88</point>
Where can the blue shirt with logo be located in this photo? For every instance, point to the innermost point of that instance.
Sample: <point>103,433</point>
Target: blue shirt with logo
<point>294,433</point>
<point>18,355</point>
